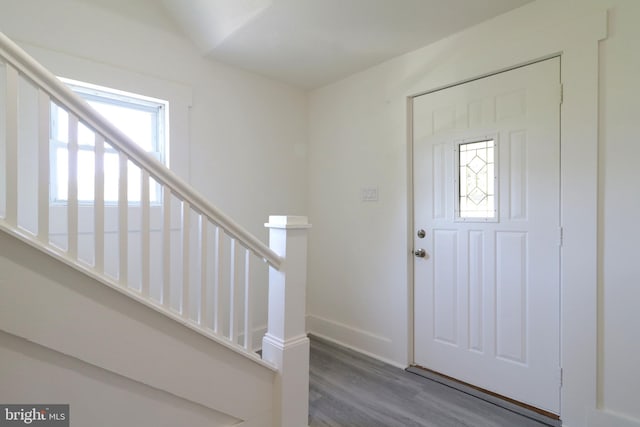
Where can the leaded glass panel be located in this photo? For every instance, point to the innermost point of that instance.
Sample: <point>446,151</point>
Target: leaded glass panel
<point>476,180</point>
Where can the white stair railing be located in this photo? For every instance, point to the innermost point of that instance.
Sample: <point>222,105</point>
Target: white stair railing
<point>180,256</point>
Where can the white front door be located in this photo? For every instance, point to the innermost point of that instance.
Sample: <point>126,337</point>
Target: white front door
<point>486,194</point>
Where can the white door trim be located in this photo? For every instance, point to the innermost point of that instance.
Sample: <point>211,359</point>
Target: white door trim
<point>579,186</point>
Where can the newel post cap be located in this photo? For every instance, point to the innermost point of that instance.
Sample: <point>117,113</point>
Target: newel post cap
<point>287,222</point>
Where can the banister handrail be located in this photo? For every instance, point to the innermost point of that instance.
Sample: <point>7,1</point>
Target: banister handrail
<point>28,66</point>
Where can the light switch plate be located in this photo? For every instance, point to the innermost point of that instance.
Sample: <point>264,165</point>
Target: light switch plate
<point>369,194</point>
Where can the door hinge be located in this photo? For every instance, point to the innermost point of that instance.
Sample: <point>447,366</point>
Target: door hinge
<point>560,236</point>
<point>560,376</point>
<point>561,93</point>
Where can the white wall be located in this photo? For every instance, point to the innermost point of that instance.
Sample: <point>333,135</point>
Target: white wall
<point>619,207</point>
<point>239,133</point>
<point>359,281</point>
<point>238,138</point>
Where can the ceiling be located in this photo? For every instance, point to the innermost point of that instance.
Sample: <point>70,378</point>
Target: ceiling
<point>310,43</point>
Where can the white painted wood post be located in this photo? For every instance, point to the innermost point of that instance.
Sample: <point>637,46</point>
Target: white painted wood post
<point>286,344</point>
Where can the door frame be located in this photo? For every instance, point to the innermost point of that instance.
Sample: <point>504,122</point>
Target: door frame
<point>579,316</point>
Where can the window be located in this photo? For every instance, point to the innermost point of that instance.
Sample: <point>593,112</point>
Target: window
<point>476,181</point>
<point>141,118</point>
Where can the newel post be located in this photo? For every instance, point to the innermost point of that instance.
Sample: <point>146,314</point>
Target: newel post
<point>286,344</point>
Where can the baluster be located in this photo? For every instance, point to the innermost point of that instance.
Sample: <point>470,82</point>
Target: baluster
<point>217,279</point>
<point>166,246</point>
<point>98,206</point>
<point>232,292</point>
<point>248,318</point>
<point>123,219</point>
<point>11,155</point>
<point>145,235</point>
<point>204,315</point>
<point>44,119</point>
<point>186,212</point>
<point>72,193</point>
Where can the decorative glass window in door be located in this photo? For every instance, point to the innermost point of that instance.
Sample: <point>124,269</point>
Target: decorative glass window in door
<point>476,181</point>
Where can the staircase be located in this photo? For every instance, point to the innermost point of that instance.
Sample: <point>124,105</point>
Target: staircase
<point>142,307</point>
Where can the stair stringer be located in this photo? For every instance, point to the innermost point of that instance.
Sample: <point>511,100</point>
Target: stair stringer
<point>46,302</point>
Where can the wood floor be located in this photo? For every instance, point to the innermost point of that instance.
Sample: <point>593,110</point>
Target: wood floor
<point>348,389</point>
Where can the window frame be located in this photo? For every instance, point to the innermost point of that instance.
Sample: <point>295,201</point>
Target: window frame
<point>158,108</point>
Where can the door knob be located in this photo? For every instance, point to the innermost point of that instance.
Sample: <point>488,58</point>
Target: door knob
<point>420,253</point>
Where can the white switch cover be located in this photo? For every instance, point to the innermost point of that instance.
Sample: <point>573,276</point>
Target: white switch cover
<point>369,194</point>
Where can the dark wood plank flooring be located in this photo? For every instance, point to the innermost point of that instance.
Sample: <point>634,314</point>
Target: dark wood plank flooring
<point>348,389</point>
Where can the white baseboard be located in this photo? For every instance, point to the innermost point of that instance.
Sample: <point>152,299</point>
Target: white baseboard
<point>364,342</point>
<point>604,418</point>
